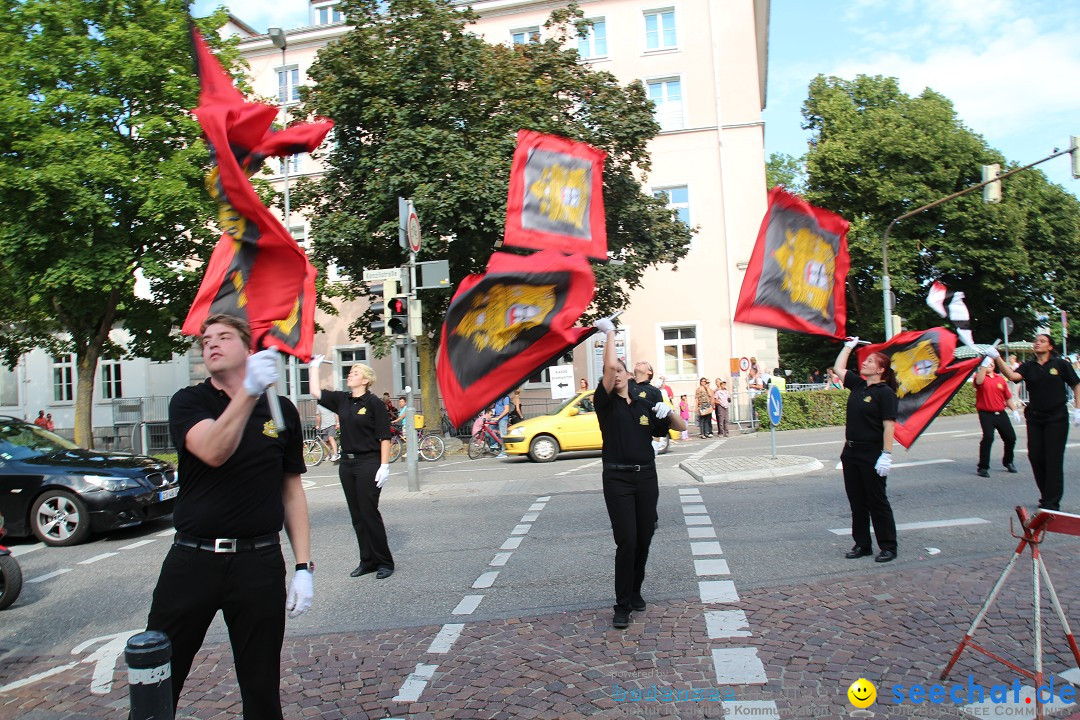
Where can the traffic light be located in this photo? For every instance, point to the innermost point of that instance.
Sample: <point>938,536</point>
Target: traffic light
<point>397,315</point>
<point>991,192</point>
<point>1074,148</point>
<point>381,294</point>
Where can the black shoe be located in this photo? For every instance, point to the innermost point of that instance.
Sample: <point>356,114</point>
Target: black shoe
<point>885,556</point>
<point>1011,467</point>
<point>857,552</point>
<point>982,472</point>
<point>384,572</point>
<point>361,570</point>
<point>637,603</point>
<point>621,620</point>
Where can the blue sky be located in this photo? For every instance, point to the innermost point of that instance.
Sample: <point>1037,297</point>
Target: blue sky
<point>1010,67</point>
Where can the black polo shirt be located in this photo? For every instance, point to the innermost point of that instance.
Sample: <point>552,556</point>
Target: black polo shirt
<point>242,497</point>
<point>650,394</point>
<point>1046,384</point>
<point>868,407</point>
<point>365,421</point>
<point>627,429</point>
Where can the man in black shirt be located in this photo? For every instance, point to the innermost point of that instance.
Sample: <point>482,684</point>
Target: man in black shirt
<point>627,425</point>
<point>239,483</point>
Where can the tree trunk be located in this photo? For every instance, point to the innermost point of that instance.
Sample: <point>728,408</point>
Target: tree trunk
<point>429,384</point>
<point>87,361</point>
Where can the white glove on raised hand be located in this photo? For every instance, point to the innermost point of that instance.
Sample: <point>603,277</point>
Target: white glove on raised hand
<point>262,371</point>
<point>301,593</point>
<point>992,353</point>
<point>988,362</point>
<point>604,325</point>
<point>851,342</point>
<point>316,361</point>
<point>1076,417</point>
<point>883,464</point>
<point>1016,416</point>
<point>661,410</point>
<point>382,475</point>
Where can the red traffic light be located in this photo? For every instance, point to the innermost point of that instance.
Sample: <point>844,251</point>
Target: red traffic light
<point>398,306</point>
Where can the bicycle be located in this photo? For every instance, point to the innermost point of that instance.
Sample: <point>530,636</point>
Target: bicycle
<point>485,441</point>
<point>315,450</point>
<point>431,447</point>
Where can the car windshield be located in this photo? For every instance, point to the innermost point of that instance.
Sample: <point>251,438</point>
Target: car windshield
<point>23,440</point>
<point>585,405</point>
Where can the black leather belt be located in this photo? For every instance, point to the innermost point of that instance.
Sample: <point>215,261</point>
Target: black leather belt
<point>628,468</point>
<point>361,456</point>
<point>862,443</point>
<point>226,545</point>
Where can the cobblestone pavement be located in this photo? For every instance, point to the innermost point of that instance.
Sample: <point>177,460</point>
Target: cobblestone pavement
<point>748,467</point>
<point>891,626</point>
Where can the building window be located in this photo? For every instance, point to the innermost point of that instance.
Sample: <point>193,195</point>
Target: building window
<point>678,199</point>
<point>660,29</point>
<point>9,387</point>
<point>542,377</point>
<point>680,353</point>
<point>594,45</point>
<point>63,367</point>
<point>327,14</point>
<point>348,358</point>
<point>525,35</point>
<point>110,380</point>
<point>295,164</point>
<point>296,375</point>
<point>288,84</point>
<point>666,95</point>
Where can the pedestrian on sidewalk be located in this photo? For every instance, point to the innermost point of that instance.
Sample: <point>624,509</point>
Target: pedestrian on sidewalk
<point>992,396</point>
<point>627,425</point>
<point>721,403</point>
<point>1047,415</point>
<point>241,483</point>
<point>365,462</point>
<point>502,419</point>
<point>867,453</point>
<point>684,413</point>
<point>703,400</point>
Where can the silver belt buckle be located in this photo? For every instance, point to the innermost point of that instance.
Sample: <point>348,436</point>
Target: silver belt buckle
<point>225,545</point>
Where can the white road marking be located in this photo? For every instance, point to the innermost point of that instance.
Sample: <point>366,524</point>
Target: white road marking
<point>500,559</point>
<point>34,678</point>
<point>446,638</point>
<point>94,559</point>
<point>166,533</point>
<point>529,517</point>
<point>705,548</point>
<point>486,580</point>
<point>718,591</point>
<point>940,432</point>
<point>711,567</point>
<point>690,498</point>
<point>511,543</point>
<point>521,530</point>
<point>24,549</point>
<point>701,532</point>
<point>543,499</point>
<point>826,442</point>
<point>738,666</point>
<point>913,463</point>
<point>536,507</point>
<point>726,624</point>
<point>933,551</point>
<point>697,519</point>
<point>48,576</point>
<point>577,469</point>
<point>468,605</point>
<point>134,545</point>
<point>694,510</point>
<point>929,524</point>
<point>689,491</point>
<point>414,684</point>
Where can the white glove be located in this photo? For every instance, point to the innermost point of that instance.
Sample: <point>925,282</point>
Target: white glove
<point>884,462</point>
<point>661,410</point>
<point>1016,416</point>
<point>851,342</point>
<point>655,447</point>
<point>604,325</point>
<point>1076,417</point>
<point>316,361</point>
<point>988,362</point>
<point>382,475</point>
<point>992,353</point>
<point>301,592</point>
<point>262,371</point>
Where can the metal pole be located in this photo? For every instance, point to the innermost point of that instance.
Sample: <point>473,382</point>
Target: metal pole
<point>148,657</point>
<point>411,455</point>
<point>885,289</point>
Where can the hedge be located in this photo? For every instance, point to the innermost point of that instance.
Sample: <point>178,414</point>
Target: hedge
<point>824,408</point>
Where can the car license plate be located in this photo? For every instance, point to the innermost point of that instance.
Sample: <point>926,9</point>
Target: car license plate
<point>168,494</point>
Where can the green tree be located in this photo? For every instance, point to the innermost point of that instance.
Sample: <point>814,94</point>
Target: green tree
<point>426,109</point>
<point>877,153</point>
<point>101,176</point>
<point>786,171</point>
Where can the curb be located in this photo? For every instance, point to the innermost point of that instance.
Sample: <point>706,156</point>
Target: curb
<point>728,469</point>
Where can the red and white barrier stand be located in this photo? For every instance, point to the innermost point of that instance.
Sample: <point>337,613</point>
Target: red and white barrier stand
<point>1034,529</point>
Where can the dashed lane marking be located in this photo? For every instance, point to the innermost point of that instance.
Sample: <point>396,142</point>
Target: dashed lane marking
<point>712,566</point>
<point>468,605</point>
<point>701,532</point>
<point>49,576</point>
<point>579,468</point>
<point>446,638</point>
<point>500,559</point>
<point>718,591</point>
<point>24,549</point>
<point>913,463</point>
<point>139,544</point>
<point>694,510</point>
<point>166,533</point>
<point>415,683</point>
<point>486,580</point>
<point>705,548</point>
<point>726,624</point>
<point>927,525</point>
<point>102,556</point>
<point>739,666</point>
<point>529,517</point>
<point>521,529</point>
<point>689,491</point>
<point>697,520</point>
<point>511,543</point>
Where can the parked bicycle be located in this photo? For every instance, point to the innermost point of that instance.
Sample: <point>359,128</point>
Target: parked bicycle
<point>315,449</point>
<point>485,441</point>
<point>431,447</point>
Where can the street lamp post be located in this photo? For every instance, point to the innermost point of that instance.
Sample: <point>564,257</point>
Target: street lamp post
<point>277,36</point>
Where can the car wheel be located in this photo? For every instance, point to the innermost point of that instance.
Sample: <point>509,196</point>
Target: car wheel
<point>59,518</point>
<point>544,448</point>
<point>665,445</point>
<point>10,580</point>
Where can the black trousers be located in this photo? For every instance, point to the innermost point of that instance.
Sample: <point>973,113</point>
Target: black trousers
<point>631,504</point>
<point>866,495</point>
<point>1046,451</point>
<point>249,589</point>
<point>990,422</point>
<point>704,423</point>
<point>362,497</point>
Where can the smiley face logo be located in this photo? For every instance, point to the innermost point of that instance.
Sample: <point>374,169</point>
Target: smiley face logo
<point>862,693</point>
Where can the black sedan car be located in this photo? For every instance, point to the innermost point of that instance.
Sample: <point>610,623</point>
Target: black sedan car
<point>60,492</point>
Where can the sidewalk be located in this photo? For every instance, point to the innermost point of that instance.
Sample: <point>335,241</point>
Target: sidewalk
<point>897,625</point>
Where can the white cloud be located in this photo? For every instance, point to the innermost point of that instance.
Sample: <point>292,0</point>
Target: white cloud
<point>260,14</point>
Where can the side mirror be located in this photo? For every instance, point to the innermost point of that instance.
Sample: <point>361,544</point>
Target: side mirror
<point>572,412</point>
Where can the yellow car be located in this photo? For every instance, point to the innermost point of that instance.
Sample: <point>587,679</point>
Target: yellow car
<point>573,426</point>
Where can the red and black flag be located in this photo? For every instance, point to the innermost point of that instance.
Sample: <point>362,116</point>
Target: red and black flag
<point>796,276</point>
<point>257,270</point>
<point>503,326</point>
<point>556,197</point>
<point>926,377</point>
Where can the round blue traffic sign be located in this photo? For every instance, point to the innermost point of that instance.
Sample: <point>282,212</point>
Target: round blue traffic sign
<point>775,405</point>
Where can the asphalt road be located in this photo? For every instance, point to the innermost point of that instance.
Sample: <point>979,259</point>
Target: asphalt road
<point>772,532</point>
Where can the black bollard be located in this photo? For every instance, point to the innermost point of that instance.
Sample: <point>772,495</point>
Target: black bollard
<point>149,676</point>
